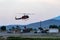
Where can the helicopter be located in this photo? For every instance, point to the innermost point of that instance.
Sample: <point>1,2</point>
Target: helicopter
<point>23,17</point>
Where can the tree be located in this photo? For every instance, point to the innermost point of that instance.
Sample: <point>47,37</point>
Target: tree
<point>13,28</point>
<point>3,28</point>
<point>40,28</point>
<point>24,27</point>
<point>59,27</point>
<point>17,27</point>
<point>30,29</point>
<point>53,26</point>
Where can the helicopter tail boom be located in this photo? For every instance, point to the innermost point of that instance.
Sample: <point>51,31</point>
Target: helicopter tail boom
<point>17,18</point>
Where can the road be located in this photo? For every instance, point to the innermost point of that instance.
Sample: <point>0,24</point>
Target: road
<point>30,35</point>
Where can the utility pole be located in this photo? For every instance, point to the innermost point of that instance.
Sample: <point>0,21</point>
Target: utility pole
<point>40,23</point>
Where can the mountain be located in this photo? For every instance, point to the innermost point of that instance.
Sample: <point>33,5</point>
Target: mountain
<point>44,24</point>
<point>10,26</point>
<point>57,18</point>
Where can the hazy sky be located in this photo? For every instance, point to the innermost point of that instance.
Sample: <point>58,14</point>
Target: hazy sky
<point>41,9</point>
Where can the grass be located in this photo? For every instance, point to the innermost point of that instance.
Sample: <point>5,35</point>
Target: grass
<point>19,38</point>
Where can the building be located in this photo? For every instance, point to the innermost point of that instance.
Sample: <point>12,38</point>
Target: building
<point>53,30</point>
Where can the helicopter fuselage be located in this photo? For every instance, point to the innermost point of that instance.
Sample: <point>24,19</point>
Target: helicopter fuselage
<point>23,17</point>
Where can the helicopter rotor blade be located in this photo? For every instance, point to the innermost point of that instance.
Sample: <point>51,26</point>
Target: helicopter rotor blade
<point>26,13</point>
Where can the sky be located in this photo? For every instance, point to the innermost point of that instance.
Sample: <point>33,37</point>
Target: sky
<point>40,10</point>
